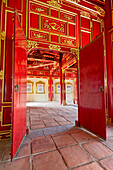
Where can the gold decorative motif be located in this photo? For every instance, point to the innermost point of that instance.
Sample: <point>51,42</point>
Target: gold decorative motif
<point>55,3</point>
<point>38,9</point>
<point>98,19</point>
<point>38,35</point>
<point>100,10</point>
<point>54,47</point>
<point>67,17</point>
<point>31,44</point>
<point>3,35</point>
<point>85,14</point>
<point>70,42</point>
<point>54,26</point>
<point>94,14</point>
<point>75,52</point>
<point>1,75</point>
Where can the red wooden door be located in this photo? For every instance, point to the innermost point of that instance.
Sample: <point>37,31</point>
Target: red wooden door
<point>19,87</point>
<point>92,89</point>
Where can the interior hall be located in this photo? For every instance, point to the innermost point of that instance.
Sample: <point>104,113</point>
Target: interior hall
<point>56,79</point>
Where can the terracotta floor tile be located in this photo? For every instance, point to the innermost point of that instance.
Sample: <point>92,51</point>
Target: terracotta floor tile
<point>59,134</point>
<point>64,123</point>
<point>107,163</point>
<point>52,124</point>
<point>91,166</point>
<point>49,121</point>
<point>75,156</point>
<point>64,140</point>
<point>42,144</point>
<point>60,119</point>
<point>83,137</point>
<point>25,150</point>
<point>20,164</point>
<point>48,161</point>
<point>97,150</point>
<point>37,122</point>
<point>38,127</point>
<point>74,130</point>
<point>6,154</point>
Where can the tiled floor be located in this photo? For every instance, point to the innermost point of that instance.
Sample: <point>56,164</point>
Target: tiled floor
<point>43,116</point>
<point>53,146</point>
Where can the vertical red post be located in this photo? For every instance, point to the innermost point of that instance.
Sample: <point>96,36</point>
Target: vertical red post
<point>64,89</point>
<point>76,88</point>
<point>60,68</point>
<point>60,85</point>
<point>109,58</point>
<point>75,99</point>
<point>50,87</point>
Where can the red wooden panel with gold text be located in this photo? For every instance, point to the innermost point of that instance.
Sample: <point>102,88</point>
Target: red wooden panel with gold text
<point>92,94</point>
<point>19,87</point>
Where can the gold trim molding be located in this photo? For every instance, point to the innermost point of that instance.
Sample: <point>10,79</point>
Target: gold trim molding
<point>85,14</point>
<point>54,47</point>
<point>1,75</point>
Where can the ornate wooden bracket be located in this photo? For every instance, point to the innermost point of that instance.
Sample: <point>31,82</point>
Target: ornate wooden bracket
<point>100,10</point>
<point>75,52</point>
<point>31,44</point>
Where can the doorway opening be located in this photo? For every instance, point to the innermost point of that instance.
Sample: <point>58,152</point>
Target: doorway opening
<point>51,85</point>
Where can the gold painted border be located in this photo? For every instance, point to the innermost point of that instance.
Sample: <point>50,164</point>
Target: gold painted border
<point>83,28</point>
<point>68,83</point>
<point>50,17</point>
<point>48,6</point>
<point>30,82</point>
<point>40,82</point>
<point>5,132</point>
<point>2,116</point>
